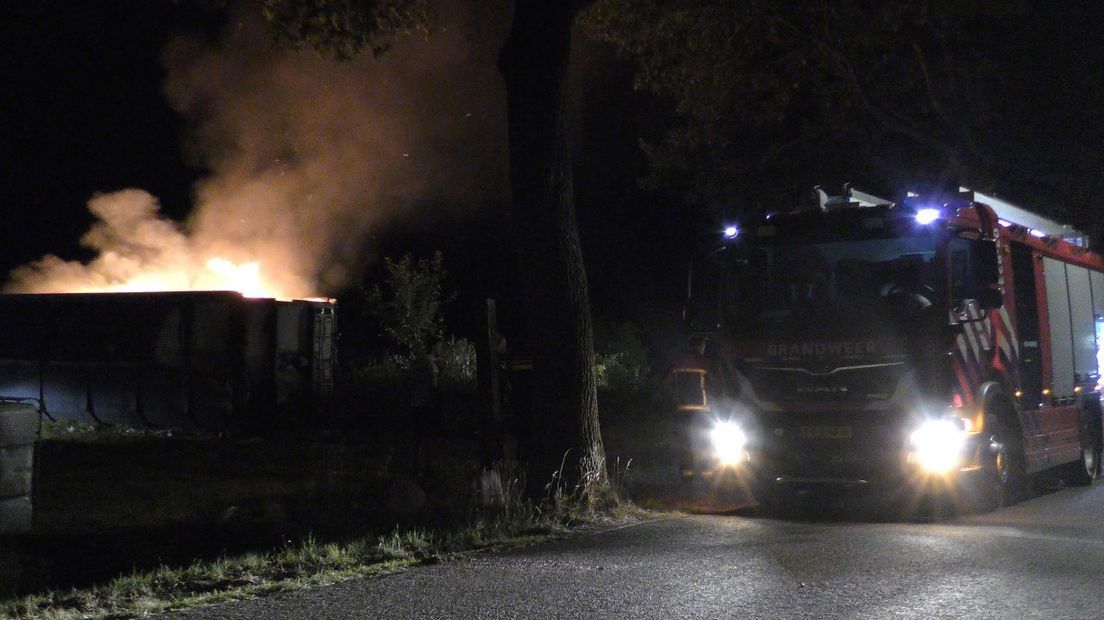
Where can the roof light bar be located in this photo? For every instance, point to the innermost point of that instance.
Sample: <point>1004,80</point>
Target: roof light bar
<point>927,216</point>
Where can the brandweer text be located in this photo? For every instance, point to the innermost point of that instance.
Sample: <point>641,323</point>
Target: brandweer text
<point>843,348</point>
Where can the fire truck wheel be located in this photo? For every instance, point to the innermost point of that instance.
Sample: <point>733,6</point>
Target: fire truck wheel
<point>1002,479</point>
<point>1084,470</point>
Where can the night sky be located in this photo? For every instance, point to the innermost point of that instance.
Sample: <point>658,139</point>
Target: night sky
<point>84,111</point>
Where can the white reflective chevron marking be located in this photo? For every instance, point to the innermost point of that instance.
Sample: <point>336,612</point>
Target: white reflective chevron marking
<point>984,329</point>
<point>961,341</point>
<point>971,339</point>
<point>1011,330</point>
<point>1002,342</point>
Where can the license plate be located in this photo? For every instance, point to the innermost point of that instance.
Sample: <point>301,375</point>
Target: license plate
<point>825,432</point>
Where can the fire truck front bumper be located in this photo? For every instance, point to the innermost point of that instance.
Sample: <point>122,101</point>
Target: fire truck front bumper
<point>825,469</point>
<point>834,459</point>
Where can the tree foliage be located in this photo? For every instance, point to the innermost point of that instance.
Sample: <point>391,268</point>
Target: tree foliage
<point>408,303</point>
<point>622,360</point>
<point>533,62</point>
<point>775,96</point>
<point>345,28</point>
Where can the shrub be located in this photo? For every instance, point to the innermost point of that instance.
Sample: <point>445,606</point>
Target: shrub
<point>456,363</point>
<point>408,303</point>
<point>621,362</point>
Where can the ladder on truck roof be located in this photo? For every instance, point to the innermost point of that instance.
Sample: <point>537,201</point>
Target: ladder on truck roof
<point>851,198</point>
<point>1007,213</point>
<point>1041,226</point>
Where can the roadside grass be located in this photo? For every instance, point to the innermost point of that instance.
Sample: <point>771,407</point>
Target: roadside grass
<point>305,564</point>
<point>507,522</point>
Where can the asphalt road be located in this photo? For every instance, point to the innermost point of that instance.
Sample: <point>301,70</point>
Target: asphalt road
<point>1043,558</point>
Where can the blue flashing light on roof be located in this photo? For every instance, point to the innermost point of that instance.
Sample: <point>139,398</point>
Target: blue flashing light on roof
<point>927,216</point>
<point>731,231</point>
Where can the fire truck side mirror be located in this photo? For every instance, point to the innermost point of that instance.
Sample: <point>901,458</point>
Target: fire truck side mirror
<point>990,297</point>
<point>968,311</point>
<point>986,269</point>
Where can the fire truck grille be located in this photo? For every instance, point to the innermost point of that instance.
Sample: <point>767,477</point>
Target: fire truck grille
<point>835,446</point>
<point>846,385</point>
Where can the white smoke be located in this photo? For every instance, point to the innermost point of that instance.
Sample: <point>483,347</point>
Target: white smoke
<point>307,157</point>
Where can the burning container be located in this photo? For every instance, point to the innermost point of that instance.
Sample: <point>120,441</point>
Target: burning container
<point>215,361</point>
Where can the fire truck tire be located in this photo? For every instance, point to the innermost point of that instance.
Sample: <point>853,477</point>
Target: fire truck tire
<point>1084,470</point>
<point>1003,475</point>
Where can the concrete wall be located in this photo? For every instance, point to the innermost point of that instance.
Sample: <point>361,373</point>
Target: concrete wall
<point>18,430</point>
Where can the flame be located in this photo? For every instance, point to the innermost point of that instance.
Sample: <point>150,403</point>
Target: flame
<point>219,274</point>
<point>242,277</point>
<point>139,250</point>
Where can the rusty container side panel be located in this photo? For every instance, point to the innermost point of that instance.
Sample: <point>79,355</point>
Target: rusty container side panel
<point>305,352</point>
<point>257,396</point>
<point>147,359</point>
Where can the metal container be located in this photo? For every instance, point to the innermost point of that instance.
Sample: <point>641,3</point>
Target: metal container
<point>214,361</point>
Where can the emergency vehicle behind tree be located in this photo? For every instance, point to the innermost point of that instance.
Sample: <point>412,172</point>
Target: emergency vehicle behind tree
<point>945,344</point>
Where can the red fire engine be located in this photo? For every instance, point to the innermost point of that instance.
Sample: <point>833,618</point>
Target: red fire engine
<point>945,344</point>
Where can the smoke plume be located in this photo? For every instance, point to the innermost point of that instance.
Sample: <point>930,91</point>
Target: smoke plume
<point>308,157</point>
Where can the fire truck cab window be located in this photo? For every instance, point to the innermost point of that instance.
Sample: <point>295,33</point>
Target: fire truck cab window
<point>973,269</point>
<point>844,278</point>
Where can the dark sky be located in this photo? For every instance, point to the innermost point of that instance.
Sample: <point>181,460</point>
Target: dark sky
<point>82,112</point>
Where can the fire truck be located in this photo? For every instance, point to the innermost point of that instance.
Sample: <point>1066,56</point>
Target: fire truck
<point>947,344</point>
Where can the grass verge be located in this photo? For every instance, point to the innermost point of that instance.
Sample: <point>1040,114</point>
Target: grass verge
<point>312,563</point>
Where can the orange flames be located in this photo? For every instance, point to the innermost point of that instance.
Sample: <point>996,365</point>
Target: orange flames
<point>244,278</point>
<point>219,274</point>
<point>139,250</point>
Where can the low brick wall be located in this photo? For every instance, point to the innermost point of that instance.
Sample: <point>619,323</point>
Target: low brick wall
<point>107,505</point>
<point>18,431</point>
<point>97,486</point>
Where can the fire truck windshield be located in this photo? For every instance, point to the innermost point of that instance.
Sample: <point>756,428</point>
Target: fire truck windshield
<point>846,278</point>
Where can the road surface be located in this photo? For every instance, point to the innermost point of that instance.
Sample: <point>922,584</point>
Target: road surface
<point>1043,558</point>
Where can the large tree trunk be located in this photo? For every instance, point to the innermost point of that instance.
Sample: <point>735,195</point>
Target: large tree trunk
<point>534,64</point>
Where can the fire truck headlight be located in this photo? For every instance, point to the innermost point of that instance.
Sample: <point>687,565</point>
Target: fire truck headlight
<point>937,445</point>
<point>728,441</point>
